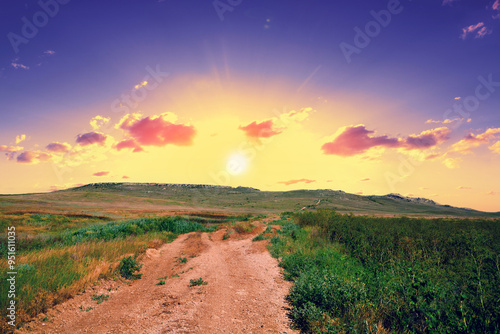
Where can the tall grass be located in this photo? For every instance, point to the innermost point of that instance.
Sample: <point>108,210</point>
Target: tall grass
<point>368,274</point>
<point>106,232</point>
<point>53,267</point>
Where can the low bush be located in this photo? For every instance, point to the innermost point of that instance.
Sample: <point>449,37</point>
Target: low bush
<point>259,238</point>
<point>128,267</point>
<point>196,282</point>
<point>100,298</point>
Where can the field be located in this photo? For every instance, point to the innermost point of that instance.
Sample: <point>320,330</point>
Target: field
<point>371,271</point>
<point>362,274</point>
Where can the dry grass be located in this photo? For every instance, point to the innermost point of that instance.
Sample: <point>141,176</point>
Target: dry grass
<point>243,227</point>
<point>50,276</point>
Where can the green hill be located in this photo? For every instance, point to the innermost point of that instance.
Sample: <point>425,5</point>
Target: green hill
<point>135,199</point>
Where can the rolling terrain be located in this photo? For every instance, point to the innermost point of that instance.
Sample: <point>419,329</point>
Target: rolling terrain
<point>130,200</point>
<point>72,243</point>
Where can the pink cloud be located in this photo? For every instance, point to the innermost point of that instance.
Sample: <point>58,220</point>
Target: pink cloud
<point>157,130</point>
<point>100,174</point>
<point>129,143</point>
<point>432,156</point>
<point>91,138</point>
<point>287,183</point>
<point>365,180</point>
<point>276,125</point>
<point>264,129</point>
<point>125,177</point>
<point>58,147</point>
<point>479,30</point>
<point>33,157</point>
<point>496,7</point>
<point>19,66</point>
<point>355,140</point>
<point>359,193</point>
<point>427,139</point>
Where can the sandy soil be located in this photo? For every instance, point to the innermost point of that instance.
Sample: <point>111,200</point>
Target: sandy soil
<point>245,293</point>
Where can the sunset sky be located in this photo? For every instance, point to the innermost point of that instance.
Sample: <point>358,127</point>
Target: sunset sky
<point>368,97</point>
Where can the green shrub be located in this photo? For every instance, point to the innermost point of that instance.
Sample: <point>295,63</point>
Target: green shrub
<point>259,238</point>
<point>227,235</point>
<point>128,267</point>
<point>196,282</point>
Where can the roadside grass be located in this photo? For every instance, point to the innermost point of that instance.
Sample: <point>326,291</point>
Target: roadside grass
<point>83,309</point>
<point>53,267</point>
<point>227,234</point>
<point>100,298</point>
<point>355,274</point>
<point>105,232</point>
<point>267,234</point>
<point>260,237</point>
<point>181,260</point>
<point>243,227</point>
<point>28,224</point>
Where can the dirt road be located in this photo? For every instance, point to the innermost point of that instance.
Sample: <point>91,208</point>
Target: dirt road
<point>244,293</point>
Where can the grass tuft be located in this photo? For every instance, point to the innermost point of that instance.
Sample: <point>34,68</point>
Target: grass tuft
<point>100,298</point>
<point>197,282</point>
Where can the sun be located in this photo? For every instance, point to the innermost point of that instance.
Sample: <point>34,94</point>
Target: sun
<point>237,164</point>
